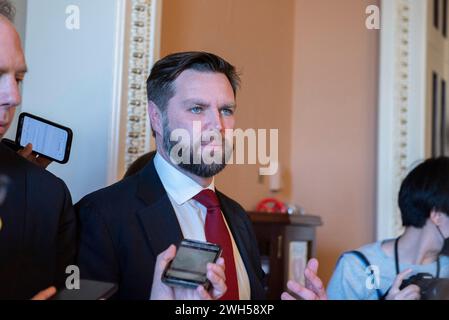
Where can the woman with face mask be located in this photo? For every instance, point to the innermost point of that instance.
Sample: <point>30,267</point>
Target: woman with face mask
<point>385,269</point>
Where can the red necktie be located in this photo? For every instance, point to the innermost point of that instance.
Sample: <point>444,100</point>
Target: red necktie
<point>216,232</point>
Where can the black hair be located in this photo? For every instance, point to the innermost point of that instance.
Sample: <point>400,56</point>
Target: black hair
<point>424,189</point>
<point>168,69</point>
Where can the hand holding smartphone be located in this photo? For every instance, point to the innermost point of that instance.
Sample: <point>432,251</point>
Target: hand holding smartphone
<point>189,267</point>
<point>49,139</point>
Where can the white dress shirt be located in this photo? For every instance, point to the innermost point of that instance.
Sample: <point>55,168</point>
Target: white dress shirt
<point>192,215</point>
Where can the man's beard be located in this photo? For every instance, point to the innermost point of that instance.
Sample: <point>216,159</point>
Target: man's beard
<point>204,170</point>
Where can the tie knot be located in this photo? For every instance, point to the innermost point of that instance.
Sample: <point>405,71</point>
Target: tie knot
<point>208,198</point>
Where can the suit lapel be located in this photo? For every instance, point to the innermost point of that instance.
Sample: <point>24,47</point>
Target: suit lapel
<point>158,218</point>
<point>160,225</point>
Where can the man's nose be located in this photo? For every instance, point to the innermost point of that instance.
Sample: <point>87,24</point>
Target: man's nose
<point>215,120</point>
<point>10,94</point>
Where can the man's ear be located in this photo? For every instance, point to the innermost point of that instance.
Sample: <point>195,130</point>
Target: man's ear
<point>435,217</point>
<point>155,117</point>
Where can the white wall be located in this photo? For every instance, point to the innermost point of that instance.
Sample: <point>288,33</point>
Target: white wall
<point>334,113</point>
<point>71,81</point>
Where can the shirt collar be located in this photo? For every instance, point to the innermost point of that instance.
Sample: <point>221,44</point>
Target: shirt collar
<point>179,186</point>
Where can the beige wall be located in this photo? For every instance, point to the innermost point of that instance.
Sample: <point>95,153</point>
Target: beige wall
<point>326,115</point>
<point>257,37</point>
<point>334,122</point>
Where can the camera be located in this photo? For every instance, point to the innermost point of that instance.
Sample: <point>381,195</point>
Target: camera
<point>431,288</point>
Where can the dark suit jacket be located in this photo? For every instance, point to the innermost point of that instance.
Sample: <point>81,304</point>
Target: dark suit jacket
<point>38,237</point>
<point>125,226</point>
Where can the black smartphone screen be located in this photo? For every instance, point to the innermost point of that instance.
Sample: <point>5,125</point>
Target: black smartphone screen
<point>49,139</point>
<point>189,267</point>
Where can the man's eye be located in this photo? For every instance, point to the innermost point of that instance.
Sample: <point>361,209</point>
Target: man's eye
<point>227,112</point>
<point>196,109</point>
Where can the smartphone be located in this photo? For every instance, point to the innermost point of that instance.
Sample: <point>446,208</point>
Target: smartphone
<point>49,139</point>
<point>88,290</point>
<point>189,267</point>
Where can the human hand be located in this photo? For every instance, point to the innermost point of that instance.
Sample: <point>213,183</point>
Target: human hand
<point>28,154</point>
<point>45,294</point>
<point>411,292</point>
<point>313,289</point>
<point>215,274</point>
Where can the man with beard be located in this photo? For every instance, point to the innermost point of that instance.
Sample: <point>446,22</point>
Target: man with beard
<point>126,226</point>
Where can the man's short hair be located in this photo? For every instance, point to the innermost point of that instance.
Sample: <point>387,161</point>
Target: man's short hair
<point>425,188</point>
<point>7,10</point>
<point>159,84</point>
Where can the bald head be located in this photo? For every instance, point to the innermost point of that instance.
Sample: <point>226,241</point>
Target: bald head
<point>12,72</point>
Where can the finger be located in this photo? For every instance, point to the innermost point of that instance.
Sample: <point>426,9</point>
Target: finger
<point>203,294</point>
<point>27,151</point>
<point>301,291</point>
<point>43,162</point>
<point>221,263</point>
<point>163,259</point>
<point>413,296</point>
<point>45,294</point>
<point>168,254</point>
<point>315,283</point>
<point>411,289</point>
<point>313,265</point>
<point>218,269</point>
<point>218,284</point>
<point>287,296</point>
<point>398,280</point>
<point>408,295</point>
